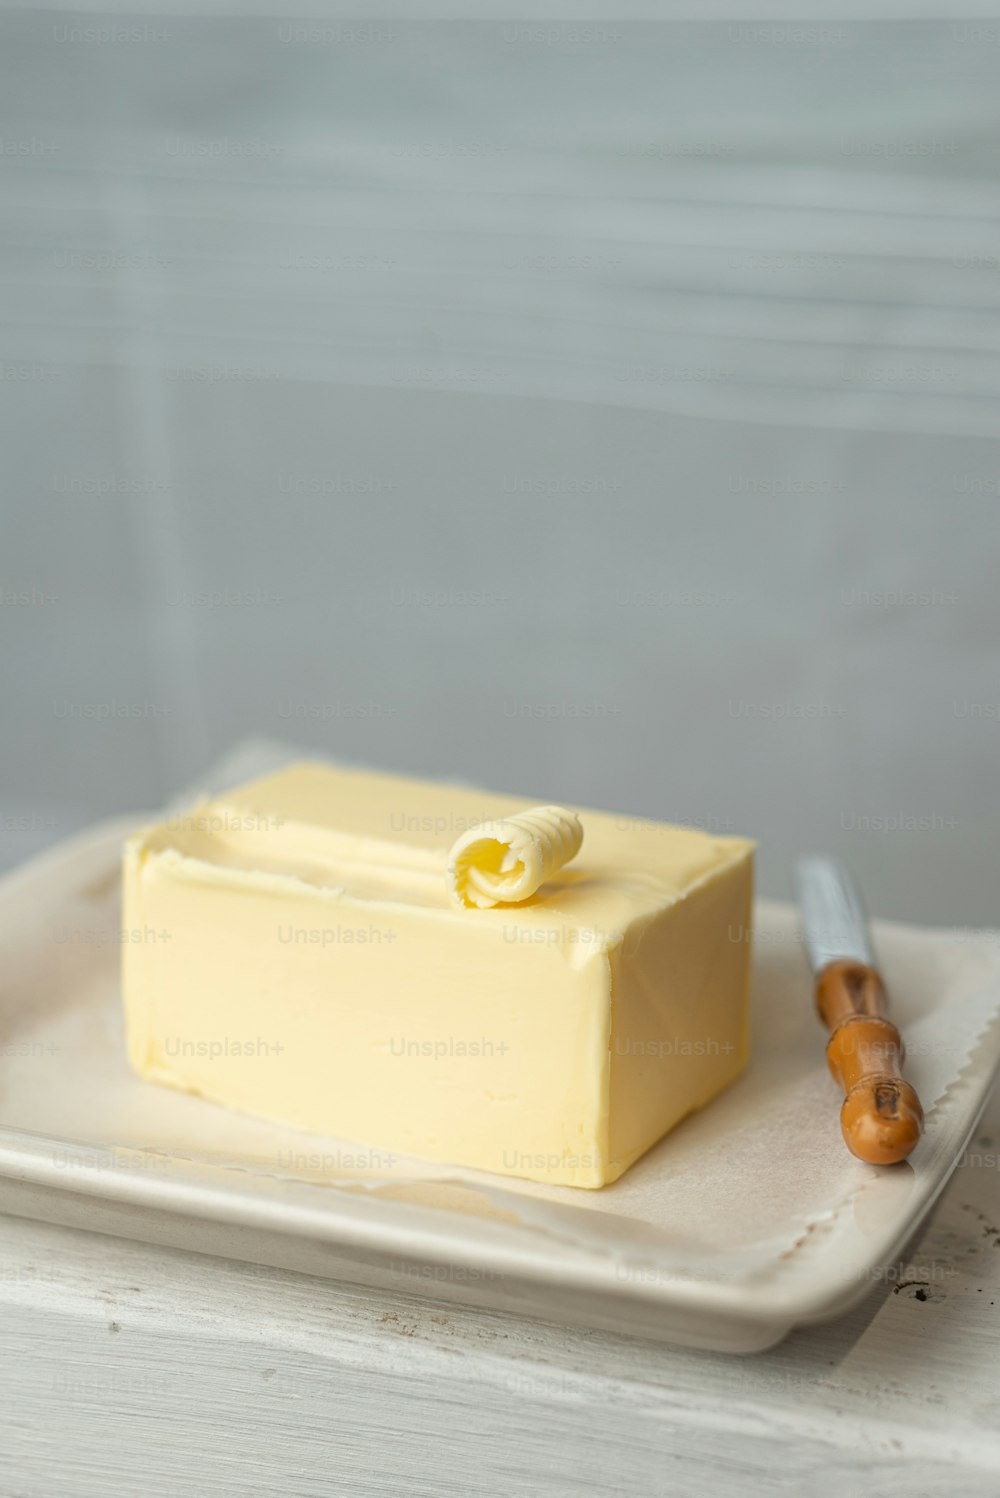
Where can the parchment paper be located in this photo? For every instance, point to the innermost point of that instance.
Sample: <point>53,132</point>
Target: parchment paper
<point>732,1188</point>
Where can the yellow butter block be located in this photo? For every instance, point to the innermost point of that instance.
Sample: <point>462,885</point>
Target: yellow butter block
<point>314,969</point>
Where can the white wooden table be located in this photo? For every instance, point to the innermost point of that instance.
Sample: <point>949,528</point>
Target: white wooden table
<point>130,1370</point>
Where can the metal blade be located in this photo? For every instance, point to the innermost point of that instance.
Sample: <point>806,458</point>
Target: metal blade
<point>834,923</point>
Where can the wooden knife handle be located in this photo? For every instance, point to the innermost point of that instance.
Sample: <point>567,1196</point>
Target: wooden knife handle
<point>881,1118</point>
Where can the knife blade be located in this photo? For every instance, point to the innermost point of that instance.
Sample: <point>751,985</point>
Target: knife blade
<point>834,923</point>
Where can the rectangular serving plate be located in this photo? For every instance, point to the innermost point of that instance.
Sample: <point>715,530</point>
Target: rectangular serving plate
<point>84,1144</point>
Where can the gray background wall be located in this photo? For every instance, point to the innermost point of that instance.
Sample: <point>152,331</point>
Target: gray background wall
<point>606,417</point>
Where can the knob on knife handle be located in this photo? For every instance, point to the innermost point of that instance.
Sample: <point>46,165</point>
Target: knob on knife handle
<point>881,1118</point>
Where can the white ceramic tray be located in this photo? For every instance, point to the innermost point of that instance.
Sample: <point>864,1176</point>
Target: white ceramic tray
<point>749,1219</point>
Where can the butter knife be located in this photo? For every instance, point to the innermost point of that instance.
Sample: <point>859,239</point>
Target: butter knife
<point>881,1118</point>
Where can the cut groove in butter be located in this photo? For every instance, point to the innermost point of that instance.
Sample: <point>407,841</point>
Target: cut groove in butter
<point>502,863</point>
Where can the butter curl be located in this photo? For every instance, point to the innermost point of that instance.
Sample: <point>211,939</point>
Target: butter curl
<point>503,862</point>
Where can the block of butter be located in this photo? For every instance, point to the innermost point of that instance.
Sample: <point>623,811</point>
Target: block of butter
<point>314,970</point>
